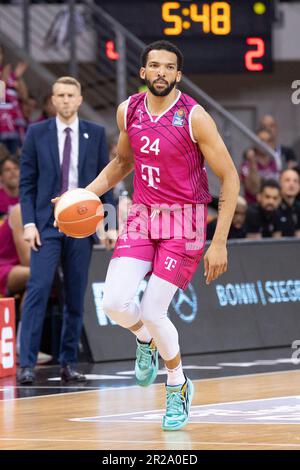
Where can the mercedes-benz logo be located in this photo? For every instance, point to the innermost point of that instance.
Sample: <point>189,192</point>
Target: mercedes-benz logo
<point>185,304</point>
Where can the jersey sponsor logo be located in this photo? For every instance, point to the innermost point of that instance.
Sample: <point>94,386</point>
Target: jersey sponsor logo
<point>170,263</point>
<point>178,119</point>
<point>151,175</point>
<point>140,113</point>
<point>139,117</point>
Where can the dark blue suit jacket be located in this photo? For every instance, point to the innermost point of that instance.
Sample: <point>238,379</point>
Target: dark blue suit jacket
<point>40,168</point>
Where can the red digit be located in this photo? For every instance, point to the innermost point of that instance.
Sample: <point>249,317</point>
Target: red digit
<point>257,53</point>
<point>111,52</point>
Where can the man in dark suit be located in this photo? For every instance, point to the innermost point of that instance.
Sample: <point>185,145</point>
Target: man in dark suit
<point>59,154</point>
<point>285,156</point>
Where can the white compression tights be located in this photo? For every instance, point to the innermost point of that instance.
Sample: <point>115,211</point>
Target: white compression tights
<point>122,281</point>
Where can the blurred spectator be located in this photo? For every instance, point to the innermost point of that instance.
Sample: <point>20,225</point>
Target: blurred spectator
<point>14,265</point>
<point>12,122</point>
<point>256,167</point>
<point>14,255</point>
<point>237,228</point>
<point>289,209</point>
<point>9,178</point>
<point>262,219</point>
<point>285,156</point>
<point>3,152</point>
<point>13,78</point>
<point>48,109</point>
<point>30,110</point>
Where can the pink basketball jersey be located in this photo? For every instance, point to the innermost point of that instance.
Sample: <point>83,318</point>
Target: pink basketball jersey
<point>169,167</point>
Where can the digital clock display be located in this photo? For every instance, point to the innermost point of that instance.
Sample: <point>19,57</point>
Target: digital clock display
<point>214,18</point>
<point>230,36</point>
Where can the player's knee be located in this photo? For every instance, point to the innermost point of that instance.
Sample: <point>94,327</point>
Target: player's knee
<point>150,317</point>
<point>114,306</point>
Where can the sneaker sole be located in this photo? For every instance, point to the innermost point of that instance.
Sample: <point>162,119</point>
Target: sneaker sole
<point>181,425</point>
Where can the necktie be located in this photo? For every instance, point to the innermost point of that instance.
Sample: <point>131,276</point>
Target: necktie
<point>65,167</point>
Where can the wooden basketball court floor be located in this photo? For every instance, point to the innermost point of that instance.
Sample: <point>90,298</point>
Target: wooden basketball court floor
<point>253,411</point>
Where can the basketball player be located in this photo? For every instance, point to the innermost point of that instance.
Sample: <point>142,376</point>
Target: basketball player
<point>165,136</point>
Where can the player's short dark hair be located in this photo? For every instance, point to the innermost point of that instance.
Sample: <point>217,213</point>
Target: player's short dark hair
<point>162,45</point>
<point>269,183</point>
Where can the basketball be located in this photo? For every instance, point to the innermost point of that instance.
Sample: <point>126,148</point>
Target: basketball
<point>78,213</point>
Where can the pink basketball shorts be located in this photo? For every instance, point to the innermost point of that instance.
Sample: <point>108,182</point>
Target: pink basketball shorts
<point>172,237</point>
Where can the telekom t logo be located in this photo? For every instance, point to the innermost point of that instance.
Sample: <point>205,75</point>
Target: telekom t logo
<point>170,263</point>
<point>151,175</point>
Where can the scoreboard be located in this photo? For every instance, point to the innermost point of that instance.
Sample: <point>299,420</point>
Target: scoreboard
<point>232,36</point>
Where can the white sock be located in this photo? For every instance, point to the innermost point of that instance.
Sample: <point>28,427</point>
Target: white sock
<point>175,376</point>
<point>143,335</point>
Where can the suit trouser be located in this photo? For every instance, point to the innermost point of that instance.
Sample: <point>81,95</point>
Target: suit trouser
<point>75,255</point>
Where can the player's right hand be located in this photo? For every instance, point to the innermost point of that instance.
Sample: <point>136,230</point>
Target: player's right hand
<point>215,261</point>
<point>32,236</point>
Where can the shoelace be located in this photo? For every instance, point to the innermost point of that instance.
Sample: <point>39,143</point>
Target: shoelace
<point>175,402</point>
<point>144,357</point>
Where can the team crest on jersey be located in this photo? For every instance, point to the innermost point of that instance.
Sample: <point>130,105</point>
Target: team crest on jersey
<point>178,119</point>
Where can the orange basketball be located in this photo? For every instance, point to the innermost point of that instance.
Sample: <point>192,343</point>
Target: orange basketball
<point>78,213</point>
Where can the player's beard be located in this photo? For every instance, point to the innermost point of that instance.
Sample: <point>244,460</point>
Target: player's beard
<point>156,92</point>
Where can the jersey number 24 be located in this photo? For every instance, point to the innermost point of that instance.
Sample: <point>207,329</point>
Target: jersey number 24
<point>148,147</point>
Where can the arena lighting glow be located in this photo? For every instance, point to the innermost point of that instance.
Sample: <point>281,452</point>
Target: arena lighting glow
<point>110,50</point>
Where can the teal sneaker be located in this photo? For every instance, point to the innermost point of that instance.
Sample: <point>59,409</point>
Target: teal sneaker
<point>178,404</point>
<point>146,364</point>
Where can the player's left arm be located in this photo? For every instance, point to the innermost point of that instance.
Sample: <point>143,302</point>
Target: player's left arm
<point>217,156</point>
